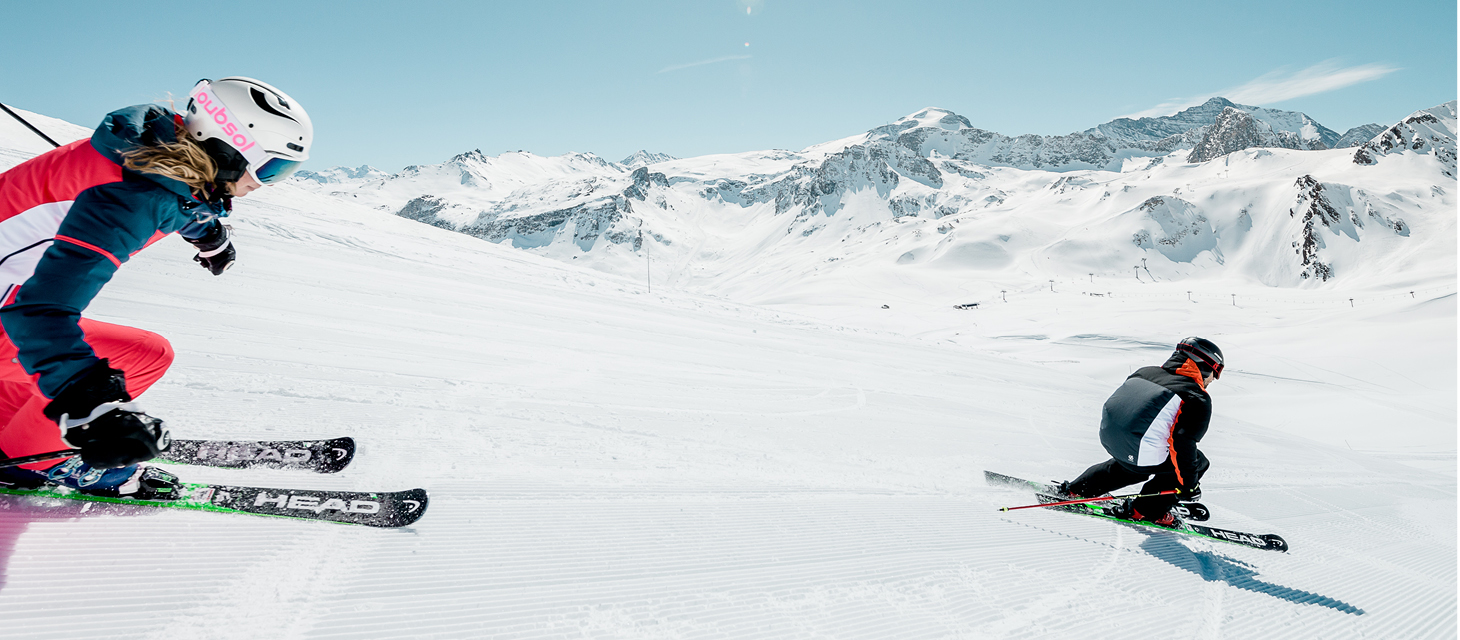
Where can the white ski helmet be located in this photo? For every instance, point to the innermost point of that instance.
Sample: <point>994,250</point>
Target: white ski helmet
<point>247,125</point>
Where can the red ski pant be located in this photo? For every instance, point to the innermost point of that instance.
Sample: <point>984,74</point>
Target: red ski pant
<point>24,430</point>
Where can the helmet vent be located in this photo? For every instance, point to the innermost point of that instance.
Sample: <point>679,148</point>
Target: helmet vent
<point>295,147</point>
<point>258,99</point>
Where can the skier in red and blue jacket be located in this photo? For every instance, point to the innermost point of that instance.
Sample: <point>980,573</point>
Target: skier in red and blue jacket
<point>69,219</point>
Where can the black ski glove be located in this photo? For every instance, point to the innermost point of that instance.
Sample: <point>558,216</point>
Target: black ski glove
<point>98,385</point>
<point>1191,494</point>
<point>215,249</point>
<point>96,416</point>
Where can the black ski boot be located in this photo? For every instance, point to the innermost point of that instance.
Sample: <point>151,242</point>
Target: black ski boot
<point>1118,509</point>
<point>1062,490</point>
<point>17,478</point>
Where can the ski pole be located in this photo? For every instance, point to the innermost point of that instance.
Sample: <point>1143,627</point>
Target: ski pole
<point>1083,500</point>
<point>30,126</point>
<point>39,457</point>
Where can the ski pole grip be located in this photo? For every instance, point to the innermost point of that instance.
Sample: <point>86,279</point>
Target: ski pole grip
<point>39,457</point>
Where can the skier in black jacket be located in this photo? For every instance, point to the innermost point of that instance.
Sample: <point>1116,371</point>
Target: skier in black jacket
<point>1150,426</point>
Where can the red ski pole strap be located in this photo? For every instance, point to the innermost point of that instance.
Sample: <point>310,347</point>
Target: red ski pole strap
<point>1084,500</point>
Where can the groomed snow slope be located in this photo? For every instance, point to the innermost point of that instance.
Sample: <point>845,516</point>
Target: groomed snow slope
<point>605,462</point>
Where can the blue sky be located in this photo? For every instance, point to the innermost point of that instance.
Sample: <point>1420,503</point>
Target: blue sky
<point>397,83</point>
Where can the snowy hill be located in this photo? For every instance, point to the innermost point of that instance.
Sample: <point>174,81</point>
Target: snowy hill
<point>469,179</point>
<point>608,463</point>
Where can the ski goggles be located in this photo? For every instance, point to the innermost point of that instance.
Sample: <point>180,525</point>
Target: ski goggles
<point>274,170</point>
<point>265,166</point>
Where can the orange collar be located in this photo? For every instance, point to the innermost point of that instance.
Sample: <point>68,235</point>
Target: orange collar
<point>1190,370</point>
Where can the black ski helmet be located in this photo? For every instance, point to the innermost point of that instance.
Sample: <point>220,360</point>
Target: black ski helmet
<point>1205,353</point>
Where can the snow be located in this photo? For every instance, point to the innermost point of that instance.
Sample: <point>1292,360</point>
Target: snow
<point>759,449</point>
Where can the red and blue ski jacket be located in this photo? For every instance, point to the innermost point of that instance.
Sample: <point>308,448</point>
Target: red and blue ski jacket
<point>69,218</point>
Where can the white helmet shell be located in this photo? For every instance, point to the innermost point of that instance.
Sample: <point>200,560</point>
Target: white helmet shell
<point>263,124</point>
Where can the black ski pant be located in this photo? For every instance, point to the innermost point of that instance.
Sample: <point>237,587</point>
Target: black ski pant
<point>1112,474</point>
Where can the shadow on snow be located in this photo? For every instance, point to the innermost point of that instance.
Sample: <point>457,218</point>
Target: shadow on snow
<point>1214,567</point>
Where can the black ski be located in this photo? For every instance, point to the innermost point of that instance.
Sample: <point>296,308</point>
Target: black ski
<point>1190,511</point>
<point>1267,542</point>
<point>1264,541</point>
<point>320,456</point>
<point>371,509</point>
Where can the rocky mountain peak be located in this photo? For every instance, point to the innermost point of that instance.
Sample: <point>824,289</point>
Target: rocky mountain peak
<point>935,117</point>
<point>1236,129</point>
<point>338,175</point>
<point>642,158</point>
<point>1430,131</point>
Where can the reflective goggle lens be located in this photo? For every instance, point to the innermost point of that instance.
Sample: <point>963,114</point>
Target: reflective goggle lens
<point>275,170</point>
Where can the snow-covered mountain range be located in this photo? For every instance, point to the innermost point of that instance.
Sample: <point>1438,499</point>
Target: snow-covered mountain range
<point>1213,191</point>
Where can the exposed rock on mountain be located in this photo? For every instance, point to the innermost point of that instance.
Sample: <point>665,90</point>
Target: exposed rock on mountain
<point>1181,232</point>
<point>643,158</point>
<point>1330,210</point>
<point>1235,130</point>
<point>339,175</point>
<point>1431,131</point>
<point>1316,210</point>
<point>1106,146</point>
<point>592,211</point>
<point>1205,114</point>
<point>1358,135</point>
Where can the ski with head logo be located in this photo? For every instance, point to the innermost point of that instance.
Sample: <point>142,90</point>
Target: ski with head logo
<point>1189,511</point>
<point>1264,541</point>
<point>371,509</point>
<point>319,456</point>
<point>1046,493</point>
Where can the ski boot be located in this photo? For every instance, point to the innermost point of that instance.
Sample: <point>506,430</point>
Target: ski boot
<point>1167,520</point>
<point>1118,509</point>
<point>1062,490</point>
<point>17,478</point>
<point>138,481</point>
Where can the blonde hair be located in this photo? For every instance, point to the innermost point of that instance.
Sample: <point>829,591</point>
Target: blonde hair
<point>184,161</point>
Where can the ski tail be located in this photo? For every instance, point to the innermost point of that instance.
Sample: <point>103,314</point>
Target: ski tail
<point>1010,481</point>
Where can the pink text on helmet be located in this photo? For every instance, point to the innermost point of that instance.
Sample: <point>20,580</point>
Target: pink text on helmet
<point>214,108</point>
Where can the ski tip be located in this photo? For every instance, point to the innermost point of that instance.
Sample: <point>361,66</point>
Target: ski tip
<point>338,454</point>
<point>1276,542</point>
<point>412,505</point>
